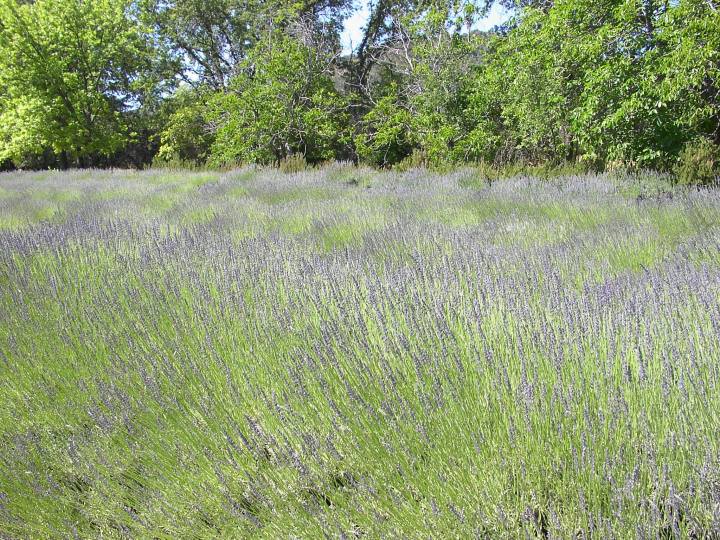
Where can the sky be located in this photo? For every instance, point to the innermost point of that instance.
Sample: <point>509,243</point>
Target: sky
<point>352,35</point>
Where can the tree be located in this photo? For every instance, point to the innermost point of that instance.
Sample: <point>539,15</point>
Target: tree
<point>611,82</point>
<point>689,71</point>
<point>631,83</point>
<point>282,101</point>
<point>185,137</point>
<point>518,108</point>
<point>412,65</point>
<point>227,50</point>
<point>211,38</point>
<point>70,71</point>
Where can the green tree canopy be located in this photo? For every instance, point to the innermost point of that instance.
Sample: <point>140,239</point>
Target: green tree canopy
<point>414,61</point>
<point>606,83</point>
<point>283,101</point>
<point>69,70</point>
<point>615,81</point>
<point>210,38</point>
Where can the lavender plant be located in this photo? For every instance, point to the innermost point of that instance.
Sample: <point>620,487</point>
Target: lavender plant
<point>343,353</point>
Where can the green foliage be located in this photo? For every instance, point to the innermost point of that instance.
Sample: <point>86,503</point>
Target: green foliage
<point>208,36</point>
<point>211,38</point>
<point>599,85</point>
<point>621,116</point>
<point>387,134</point>
<point>690,67</point>
<point>520,98</point>
<point>699,163</point>
<point>185,136</point>
<point>418,101</point>
<point>617,82</point>
<point>69,69</point>
<point>283,102</point>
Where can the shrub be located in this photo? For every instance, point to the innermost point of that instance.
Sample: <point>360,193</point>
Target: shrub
<point>293,163</point>
<point>185,138</point>
<point>417,160</point>
<point>275,109</point>
<point>698,163</point>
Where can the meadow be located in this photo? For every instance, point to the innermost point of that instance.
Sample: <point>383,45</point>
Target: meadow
<point>343,353</point>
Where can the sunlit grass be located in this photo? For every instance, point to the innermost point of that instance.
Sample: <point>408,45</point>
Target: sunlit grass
<point>11,222</point>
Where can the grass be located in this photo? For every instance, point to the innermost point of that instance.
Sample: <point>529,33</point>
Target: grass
<point>264,355</point>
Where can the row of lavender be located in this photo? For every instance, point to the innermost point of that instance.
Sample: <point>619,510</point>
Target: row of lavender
<point>349,354</point>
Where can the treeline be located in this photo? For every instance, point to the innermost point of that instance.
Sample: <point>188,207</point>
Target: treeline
<point>595,83</point>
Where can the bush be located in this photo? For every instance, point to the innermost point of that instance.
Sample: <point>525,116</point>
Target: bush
<point>417,160</point>
<point>184,137</point>
<point>698,163</point>
<point>292,164</point>
<point>274,109</point>
<point>387,136</point>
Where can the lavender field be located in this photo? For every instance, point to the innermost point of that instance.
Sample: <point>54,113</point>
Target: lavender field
<point>343,353</point>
